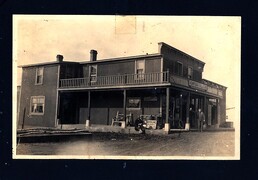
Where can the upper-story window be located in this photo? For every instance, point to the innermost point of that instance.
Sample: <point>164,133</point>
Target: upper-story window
<point>190,73</point>
<point>140,69</point>
<point>179,68</point>
<point>37,105</point>
<point>39,75</point>
<point>93,73</point>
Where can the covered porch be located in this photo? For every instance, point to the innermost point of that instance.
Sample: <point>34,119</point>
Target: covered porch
<point>99,107</point>
<point>172,98</point>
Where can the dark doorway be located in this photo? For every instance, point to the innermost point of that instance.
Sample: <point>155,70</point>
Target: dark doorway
<point>214,115</point>
<point>68,112</point>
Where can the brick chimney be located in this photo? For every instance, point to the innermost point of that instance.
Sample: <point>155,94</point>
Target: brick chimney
<point>93,55</point>
<point>59,58</point>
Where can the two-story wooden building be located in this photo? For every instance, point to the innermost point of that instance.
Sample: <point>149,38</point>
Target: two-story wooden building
<point>167,84</point>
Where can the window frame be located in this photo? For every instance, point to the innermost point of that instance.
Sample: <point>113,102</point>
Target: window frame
<point>179,73</point>
<point>37,74</point>
<point>134,98</point>
<point>43,105</point>
<point>93,75</point>
<point>139,76</point>
<point>190,67</point>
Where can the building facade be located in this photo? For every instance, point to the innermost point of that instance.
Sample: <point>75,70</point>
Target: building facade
<point>168,85</point>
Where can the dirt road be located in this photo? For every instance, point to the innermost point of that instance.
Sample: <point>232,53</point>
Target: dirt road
<point>115,144</point>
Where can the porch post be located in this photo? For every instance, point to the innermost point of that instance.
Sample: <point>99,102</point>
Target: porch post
<point>205,108</point>
<point>217,113</point>
<point>167,125</point>
<point>124,106</point>
<point>187,125</point>
<point>58,109</point>
<point>89,103</point>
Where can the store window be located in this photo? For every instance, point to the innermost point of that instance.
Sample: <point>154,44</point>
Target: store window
<point>134,103</point>
<point>140,69</point>
<point>93,73</point>
<point>179,68</point>
<point>37,105</point>
<point>190,72</point>
<point>39,75</point>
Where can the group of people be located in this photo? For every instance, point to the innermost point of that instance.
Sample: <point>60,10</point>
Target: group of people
<point>200,117</point>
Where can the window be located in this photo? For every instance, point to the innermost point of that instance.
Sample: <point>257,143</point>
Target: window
<point>179,69</point>
<point>37,104</point>
<point>134,103</point>
<point>190,72</point>
<point>93,73</point>
<point>39,75</point>
<point>140,69</point>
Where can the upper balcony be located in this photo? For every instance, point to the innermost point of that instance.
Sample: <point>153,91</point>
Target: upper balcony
<point>116,80</point>
<point>136,80</point>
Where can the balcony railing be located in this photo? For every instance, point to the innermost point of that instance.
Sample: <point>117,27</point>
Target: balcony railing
<point>137,79</point>
<point>116,80</point>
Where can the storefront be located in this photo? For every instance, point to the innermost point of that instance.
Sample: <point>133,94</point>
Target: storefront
<point>182,106</point>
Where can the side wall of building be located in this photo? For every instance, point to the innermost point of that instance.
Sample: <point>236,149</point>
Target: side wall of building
<point>48,89</point>
<point>171,57</point>
<point>222,104</point>
<point>70,70</point>
<point>123,67</point>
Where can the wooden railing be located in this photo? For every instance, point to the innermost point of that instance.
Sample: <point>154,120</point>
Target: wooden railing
<point>116,80</point>
<point>137,79</point>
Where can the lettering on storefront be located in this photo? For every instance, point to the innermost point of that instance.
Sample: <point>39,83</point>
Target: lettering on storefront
<point>212,100</point>
<point>151,98</point>
<point>212,90</point>
<point>179,80</point>
<point>198,85</point>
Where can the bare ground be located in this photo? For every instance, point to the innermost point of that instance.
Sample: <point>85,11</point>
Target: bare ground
<point>117,144</point>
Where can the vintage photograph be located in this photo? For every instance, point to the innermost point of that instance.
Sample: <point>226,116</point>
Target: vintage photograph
<point>126,87</point>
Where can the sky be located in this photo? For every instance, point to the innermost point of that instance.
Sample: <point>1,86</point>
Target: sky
<point>215,40</point>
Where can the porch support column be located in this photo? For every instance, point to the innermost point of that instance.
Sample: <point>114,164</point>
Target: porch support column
<point>89,109</point>
<point>167,125</point>
<point>217,113</point>
<point>58,109</point>
<point>205,111</point>
<point>187,124</point>
<point>124,110</point>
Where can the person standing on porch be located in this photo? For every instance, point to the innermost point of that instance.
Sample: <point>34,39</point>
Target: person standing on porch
<point>201,119</point>
<point>192,116</point>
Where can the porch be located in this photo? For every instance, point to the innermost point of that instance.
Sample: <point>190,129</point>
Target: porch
<point>161,93</point>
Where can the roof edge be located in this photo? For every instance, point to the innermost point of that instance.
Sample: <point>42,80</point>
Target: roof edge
<point>122,58</point>
<point>47,63</point>
<point>171,47</point>
<point>214,83</point>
